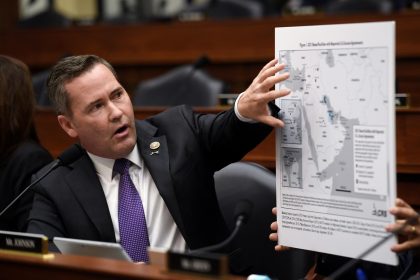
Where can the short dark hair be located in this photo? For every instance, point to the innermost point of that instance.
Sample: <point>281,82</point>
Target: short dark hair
<point>65,71</point>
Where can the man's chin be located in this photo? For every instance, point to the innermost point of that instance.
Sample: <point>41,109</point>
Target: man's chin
<point>124,149</point>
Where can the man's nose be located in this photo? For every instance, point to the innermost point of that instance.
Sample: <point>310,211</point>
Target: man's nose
<point>115,112</point>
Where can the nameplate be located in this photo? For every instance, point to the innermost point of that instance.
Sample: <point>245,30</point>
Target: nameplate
<point>23,242</point>
<point>202,263</point>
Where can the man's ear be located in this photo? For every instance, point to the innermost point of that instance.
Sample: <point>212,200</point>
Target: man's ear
<point>67,125</point>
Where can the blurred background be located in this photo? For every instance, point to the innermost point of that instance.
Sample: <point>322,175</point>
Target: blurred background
<point>216,44</point>
<point>31,12</point>
<point>203,53</point>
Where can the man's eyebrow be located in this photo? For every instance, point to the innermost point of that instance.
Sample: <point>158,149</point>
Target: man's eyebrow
<point>89,105</point>
<point>118,89</point>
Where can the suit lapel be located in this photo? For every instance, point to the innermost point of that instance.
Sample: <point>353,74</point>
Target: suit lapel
<point>157,162</point>
<point>87,189</point>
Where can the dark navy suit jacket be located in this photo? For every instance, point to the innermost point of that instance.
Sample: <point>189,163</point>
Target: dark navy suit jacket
<point>70,202</point>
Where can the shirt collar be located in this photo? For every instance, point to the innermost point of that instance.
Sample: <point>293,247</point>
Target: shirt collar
<point>104,166</point>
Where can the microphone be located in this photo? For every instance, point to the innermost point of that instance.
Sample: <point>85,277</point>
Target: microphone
<point>186,82</point>
<point>348,265</point>
<point>243,210</point>
<point>200,62</point>
<point>70,155</point>
<point>204,260</point>
<point>67,157</point>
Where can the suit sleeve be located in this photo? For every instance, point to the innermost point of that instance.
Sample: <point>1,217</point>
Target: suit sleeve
<point>220,139</point>
<point>226,138</point>
<point>44,218</point>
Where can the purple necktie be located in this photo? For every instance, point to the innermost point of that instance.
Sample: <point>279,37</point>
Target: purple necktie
<point>132,222</point>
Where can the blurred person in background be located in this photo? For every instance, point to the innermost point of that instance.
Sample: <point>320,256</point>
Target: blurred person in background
<point>21,154</point>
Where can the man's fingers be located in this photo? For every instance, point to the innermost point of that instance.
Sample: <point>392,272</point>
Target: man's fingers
<point>274,94</point>
<point>269,82</point>
<point>268,65</point>
<point>407,230</point>
<point>253,103</point>
<point>271,121</point>
<point>401,203</point>
<point>397,226</point>
<point>273,236</point>
<point>274,210</point>
<point>281,248</point>
<point>399,247</point>
<point>268,79</point>
<point>274,226</point>
<point>407,245</point>
<point>270,72</point>
<point>403,212</point>
<point>264,98</point>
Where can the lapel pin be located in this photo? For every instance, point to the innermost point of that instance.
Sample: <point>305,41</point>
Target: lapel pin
<point>154,146</point>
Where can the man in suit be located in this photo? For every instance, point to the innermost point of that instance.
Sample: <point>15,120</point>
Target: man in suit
<point>173,157</point>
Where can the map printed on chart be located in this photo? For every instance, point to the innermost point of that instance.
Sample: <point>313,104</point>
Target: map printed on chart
<point>334,154</point>
<point>326,115</point>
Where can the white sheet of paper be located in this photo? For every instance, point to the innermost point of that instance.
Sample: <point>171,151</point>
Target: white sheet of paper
<point>336,159</point>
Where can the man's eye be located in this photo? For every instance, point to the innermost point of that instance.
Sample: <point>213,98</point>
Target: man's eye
<point>118,94</point>
<point>96,107</point>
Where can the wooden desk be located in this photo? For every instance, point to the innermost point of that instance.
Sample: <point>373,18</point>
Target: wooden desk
<point>68,267</point>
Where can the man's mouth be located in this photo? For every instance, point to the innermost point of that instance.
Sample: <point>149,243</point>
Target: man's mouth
<point>121,130</point>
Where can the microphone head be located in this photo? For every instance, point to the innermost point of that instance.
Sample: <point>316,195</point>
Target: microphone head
<point>243,208</point>
<point>200,62</point>
<point>70,155</point>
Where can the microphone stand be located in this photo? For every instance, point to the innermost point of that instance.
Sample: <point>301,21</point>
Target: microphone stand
<point>348,265</point>
<point>55,164</point>
<point>238,225</point>
<point>187,79</point>
<point>68,156</point>
<point>242,212</point>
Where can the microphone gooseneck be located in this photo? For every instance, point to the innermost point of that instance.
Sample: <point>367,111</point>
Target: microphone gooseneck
<point>184,84</point>
<point>201,62</point>
<point>348,265</point>
<point>70,155</point>
<point>243,209</point>
<point>67,157</point>
<point>242,212</point>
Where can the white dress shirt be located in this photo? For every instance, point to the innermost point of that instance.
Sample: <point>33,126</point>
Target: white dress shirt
<point>163,232</point>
